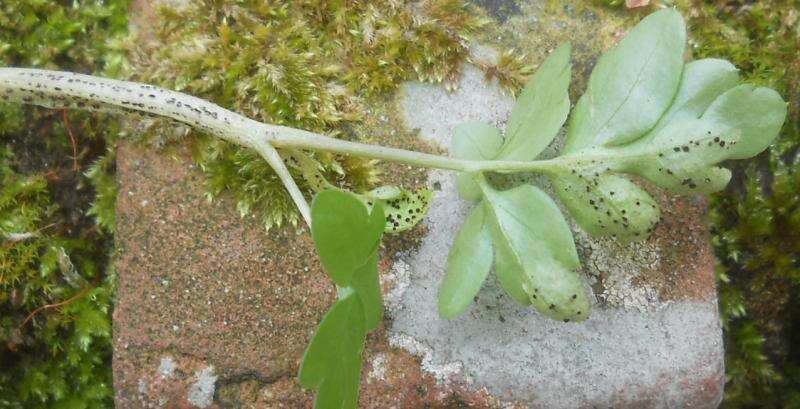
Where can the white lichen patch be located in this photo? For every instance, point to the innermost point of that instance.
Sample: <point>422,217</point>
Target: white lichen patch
<point>617,266</point>
<point>201,393</point>
<point>166,368</point>
<point>442,372</point>
<point>142,386</point>
<point>398,279</point>
<point>378,371</point>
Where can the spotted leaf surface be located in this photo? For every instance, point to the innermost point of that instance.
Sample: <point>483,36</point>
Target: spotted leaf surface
<point>738,124</point>
<point>672,125</point>
<point>406,210</point>
<point>310,169</point>
<point>536,261</point>
<point>757,113</point>
<point>608,205</point>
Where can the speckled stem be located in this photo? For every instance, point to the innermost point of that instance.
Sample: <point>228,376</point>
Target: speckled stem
<point>56,89</point>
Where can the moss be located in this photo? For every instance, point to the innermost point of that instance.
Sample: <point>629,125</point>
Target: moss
<point>55,287</point>
<point>55,299</point>
<point>315,65</point>
<point>756,220</point>
<point>101,177</point>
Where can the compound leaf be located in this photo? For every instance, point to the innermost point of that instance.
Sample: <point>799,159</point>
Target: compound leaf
<point>332,361</point>
<point>345,234</point>
<point>468,264</point>
<point>631,85</point>
<point>541,109</point>
<point>536,261</point>
<point>474,141</point>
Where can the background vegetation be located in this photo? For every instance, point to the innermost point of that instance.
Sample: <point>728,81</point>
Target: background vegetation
<point>755,223</point>
<point>333,61</point>
<point>56,289</point>
<point>336,60</point>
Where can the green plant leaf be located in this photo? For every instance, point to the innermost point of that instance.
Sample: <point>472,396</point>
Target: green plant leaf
<point>332,361</point>
<point>536,261</point>
<point>345,234</point>
<point>631,85</point>
<point>757,113</point>
<point>309,168</point>
<point>367,284</point>
<point>608,205</point>
<point>474,141</point>
<point>702,82</point>
<point>739,123</point>
<point>468,264</point>
<point>541,109</point>
<point>387,192</point>
<point>406,210</point>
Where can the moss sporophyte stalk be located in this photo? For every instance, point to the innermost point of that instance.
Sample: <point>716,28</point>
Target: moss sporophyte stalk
<point>645,113</point>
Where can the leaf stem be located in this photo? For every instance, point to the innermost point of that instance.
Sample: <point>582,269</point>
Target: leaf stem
<point>55,89</point>
<point>272,157</point>
<point>295,138</point>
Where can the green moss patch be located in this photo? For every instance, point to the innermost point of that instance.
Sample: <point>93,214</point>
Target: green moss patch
<point>306,64</point>
<point>55,287</point>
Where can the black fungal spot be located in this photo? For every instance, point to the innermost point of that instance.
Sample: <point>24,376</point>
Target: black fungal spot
<point>552,306</point>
